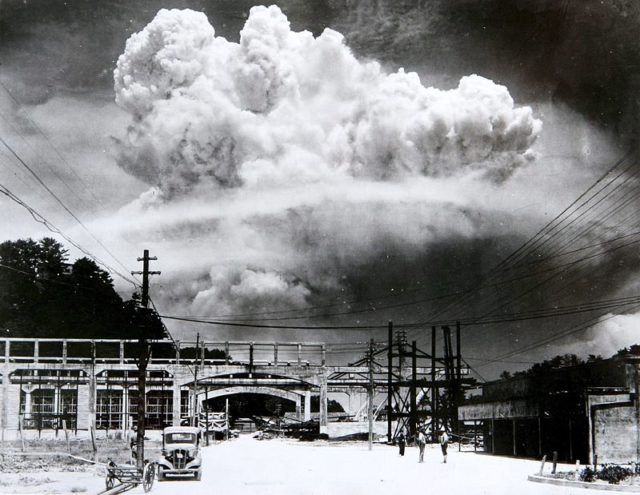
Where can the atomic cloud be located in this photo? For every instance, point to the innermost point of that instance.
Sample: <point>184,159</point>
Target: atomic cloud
<point>306,159</point>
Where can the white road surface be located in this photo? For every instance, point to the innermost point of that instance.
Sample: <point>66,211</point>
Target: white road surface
<point>246,466</point>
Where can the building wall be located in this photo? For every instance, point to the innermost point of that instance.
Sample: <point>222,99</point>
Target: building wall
<point>615,433</point>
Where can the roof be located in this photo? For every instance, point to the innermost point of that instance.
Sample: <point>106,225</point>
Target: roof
<point>181,429</point>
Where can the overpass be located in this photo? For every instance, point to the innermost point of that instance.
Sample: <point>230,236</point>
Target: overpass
<point>80,384</point>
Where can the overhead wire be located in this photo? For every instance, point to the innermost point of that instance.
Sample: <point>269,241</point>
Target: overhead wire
<point>59,201</point>
<point>39,130</point>
<point>38,217</point>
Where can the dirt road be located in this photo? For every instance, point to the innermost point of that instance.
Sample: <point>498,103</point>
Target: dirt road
<point>275,467</point>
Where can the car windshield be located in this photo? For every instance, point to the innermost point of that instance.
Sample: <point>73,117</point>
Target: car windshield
<point>180,438</point>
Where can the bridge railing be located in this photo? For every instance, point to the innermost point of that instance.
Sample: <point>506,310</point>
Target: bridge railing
<point>125,351</point>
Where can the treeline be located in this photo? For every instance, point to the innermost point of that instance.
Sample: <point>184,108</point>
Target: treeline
<point>44,295</point>
<point>567,360</point>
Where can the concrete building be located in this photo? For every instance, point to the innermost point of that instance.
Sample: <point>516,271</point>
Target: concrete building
<point>585,412</point>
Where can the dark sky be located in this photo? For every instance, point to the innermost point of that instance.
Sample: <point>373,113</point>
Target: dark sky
<point>582,53</point>
<point>577,59</point>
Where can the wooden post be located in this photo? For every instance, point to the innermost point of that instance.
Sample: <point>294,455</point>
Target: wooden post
<point>177,352</point>
<point>324,354</point>
<point>64,351</point>
<point>275,354</point>
<point>251,358</point>
<point>570,442</point>
<point>226,353</point>
<point>121,352</point>
<point>299,356</point>
<point>93,441</point>
<point>539,435</point>
<point>370,395</point>
<point>434,388</point>
<point>555,461</point>
<point>226,418</point>
<point>66,434</point>
<point>413,392</point>
<point>493,436</point>
<point>544,459</point>
<point>513,429</point>
<point>475,435</point>
<point>206,411</point>
<point>36,350</point>
<point>194,418</point>
<point>389,380</point>
<point>20,428</point>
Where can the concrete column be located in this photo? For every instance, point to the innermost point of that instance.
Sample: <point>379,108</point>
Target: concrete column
<point>299,357</point>
<point>36,351</point>
<point>275,354</point>
<point>56,400</point>
<point>27,389</point>
<point>121,352</point>
<point>177,355</point>
<point>307,405</point>
<point>324,355</point>
<point>176,403</point>
<point>298,407</point>
<point>324,416</point>
<point>64,352</point>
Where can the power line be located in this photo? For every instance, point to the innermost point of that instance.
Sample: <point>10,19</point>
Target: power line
<point>59,201</point>
<point>55,149</point>
<point>52,228</point>
<point>256,325</point>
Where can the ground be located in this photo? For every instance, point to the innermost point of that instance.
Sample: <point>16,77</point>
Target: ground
<point>246,466</point>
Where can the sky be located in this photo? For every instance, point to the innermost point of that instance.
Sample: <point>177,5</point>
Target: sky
<point>374,160</point>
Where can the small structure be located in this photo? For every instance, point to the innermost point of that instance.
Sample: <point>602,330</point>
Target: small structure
<point>580,412</point>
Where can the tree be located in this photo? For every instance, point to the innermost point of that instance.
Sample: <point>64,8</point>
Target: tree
<point>43,295</point>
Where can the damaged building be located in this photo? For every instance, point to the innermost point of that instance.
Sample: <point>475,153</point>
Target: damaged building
<point>589,412</point>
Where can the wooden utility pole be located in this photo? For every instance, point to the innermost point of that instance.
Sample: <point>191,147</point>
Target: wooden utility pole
<point>143,358</point>
<point>370,394</point>
<point>194,417</point>
<point>389,380</point>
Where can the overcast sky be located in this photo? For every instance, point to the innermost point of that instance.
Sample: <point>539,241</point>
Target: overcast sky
<point>394,158</point>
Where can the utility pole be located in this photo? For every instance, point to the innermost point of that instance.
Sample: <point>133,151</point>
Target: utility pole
<point>389,380</point>
<point>370,394</point>
<point>143,358</point>
<point>194,417</point>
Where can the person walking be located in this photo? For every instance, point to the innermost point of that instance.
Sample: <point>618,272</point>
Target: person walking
<point>402,442</point>
<point>421,440</point>
<point>444,443</point>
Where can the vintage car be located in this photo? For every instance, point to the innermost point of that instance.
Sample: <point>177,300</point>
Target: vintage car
<point>181,456</point>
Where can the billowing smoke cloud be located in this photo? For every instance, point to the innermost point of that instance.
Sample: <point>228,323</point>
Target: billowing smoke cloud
<point>290,165</point>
